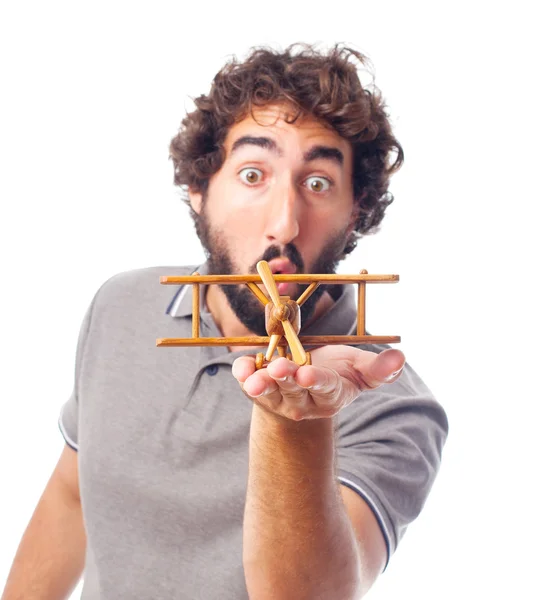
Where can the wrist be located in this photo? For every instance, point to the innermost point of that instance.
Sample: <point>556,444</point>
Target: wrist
<point>284,425</point>
<point>308,442</point>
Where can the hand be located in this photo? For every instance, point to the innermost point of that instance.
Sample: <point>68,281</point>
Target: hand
<point>337,376</point>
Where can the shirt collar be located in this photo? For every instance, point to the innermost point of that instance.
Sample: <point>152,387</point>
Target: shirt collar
<point>181,304</point>
<point>340,319</point>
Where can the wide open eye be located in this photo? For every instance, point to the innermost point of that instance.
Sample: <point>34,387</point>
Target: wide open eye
<point>250,175</point>
<point>318,184</point>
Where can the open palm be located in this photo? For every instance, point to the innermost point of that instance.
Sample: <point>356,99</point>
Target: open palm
<point>337,375</point>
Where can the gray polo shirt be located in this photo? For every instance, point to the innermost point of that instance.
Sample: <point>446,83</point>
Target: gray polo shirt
<point>162,436</point>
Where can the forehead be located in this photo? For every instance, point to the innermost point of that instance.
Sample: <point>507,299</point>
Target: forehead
<point>272,121</point>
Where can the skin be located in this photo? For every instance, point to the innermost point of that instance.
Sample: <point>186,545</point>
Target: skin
<point>282,206</point>
<point>291,200</point>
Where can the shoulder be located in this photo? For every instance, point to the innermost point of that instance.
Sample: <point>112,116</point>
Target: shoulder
<point>135,292</point>
<point>142,279</point>
<point>139,284</point>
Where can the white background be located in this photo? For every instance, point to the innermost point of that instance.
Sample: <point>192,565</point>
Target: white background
<point>93,93</point>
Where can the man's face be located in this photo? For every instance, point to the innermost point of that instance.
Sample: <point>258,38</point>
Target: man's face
<point>283,194</point>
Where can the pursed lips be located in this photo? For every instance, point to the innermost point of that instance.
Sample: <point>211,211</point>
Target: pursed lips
<point>282,266</point>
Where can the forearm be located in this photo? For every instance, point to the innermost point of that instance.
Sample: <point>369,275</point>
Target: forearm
<point>50,557</point>
<point>298,539</point>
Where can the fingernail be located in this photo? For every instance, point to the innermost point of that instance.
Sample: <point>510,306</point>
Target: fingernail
<point>316,387</point>
<point>394,374</point>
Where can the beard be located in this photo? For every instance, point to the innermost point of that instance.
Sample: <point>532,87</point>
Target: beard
<point>244,304</point>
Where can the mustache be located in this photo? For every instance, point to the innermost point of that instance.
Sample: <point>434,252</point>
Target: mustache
<point>290,251</point>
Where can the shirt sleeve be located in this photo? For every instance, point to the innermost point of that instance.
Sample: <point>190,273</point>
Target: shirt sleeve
<point>68,419</point>
<point>389,446</point>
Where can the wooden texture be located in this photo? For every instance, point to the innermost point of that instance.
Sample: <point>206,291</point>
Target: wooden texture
<point>307,293</point>
<point>273,324</point>
<point>258,293</point>
<point>310,340</point>
<point>267,277</point>
<point>361,309</point>
<point>282,314</point>
<point>196,308</point>
<point>302,278</point>
<point>273,343</point>
<point>297,349</point>
<point>280,317</point>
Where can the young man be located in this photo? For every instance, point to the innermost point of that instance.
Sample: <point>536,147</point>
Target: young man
<point>186,488</point>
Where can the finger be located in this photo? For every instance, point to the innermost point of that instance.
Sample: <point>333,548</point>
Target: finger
<point>322,380</point>
<point>282,373</point>
<point>260,383</point>
<point>253,382</point>
<point>270,402</point>
<point>328,390</point>
<point>375,370</point>
<point>243,367</point>
<point>282,367</point>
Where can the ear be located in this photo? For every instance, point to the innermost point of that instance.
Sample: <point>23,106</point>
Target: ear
<point>195,201</point>
<point>351,224</point>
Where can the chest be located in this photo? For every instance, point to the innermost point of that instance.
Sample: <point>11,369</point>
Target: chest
<point>163,449</point>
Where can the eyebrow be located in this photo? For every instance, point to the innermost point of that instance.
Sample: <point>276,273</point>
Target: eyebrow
<point>315,153</point>
<point>261,142</point>
<point>327,152</point>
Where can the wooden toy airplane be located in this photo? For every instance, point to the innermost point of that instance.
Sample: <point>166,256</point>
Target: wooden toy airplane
<point>282,315</point>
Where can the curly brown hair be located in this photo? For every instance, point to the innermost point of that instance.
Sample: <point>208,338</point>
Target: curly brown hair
<point>324,85</point>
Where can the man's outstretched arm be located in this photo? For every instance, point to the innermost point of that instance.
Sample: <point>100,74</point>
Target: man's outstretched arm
<point>50,557</point>
<point>304,536</point>
<point>299,538</point>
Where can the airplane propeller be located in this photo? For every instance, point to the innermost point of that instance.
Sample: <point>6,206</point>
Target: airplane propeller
<point>282,313</point>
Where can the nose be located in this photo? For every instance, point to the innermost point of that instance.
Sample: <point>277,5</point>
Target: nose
<point>283,214</point>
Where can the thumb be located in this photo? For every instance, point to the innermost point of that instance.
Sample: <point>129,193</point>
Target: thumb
<point>376,369</point>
